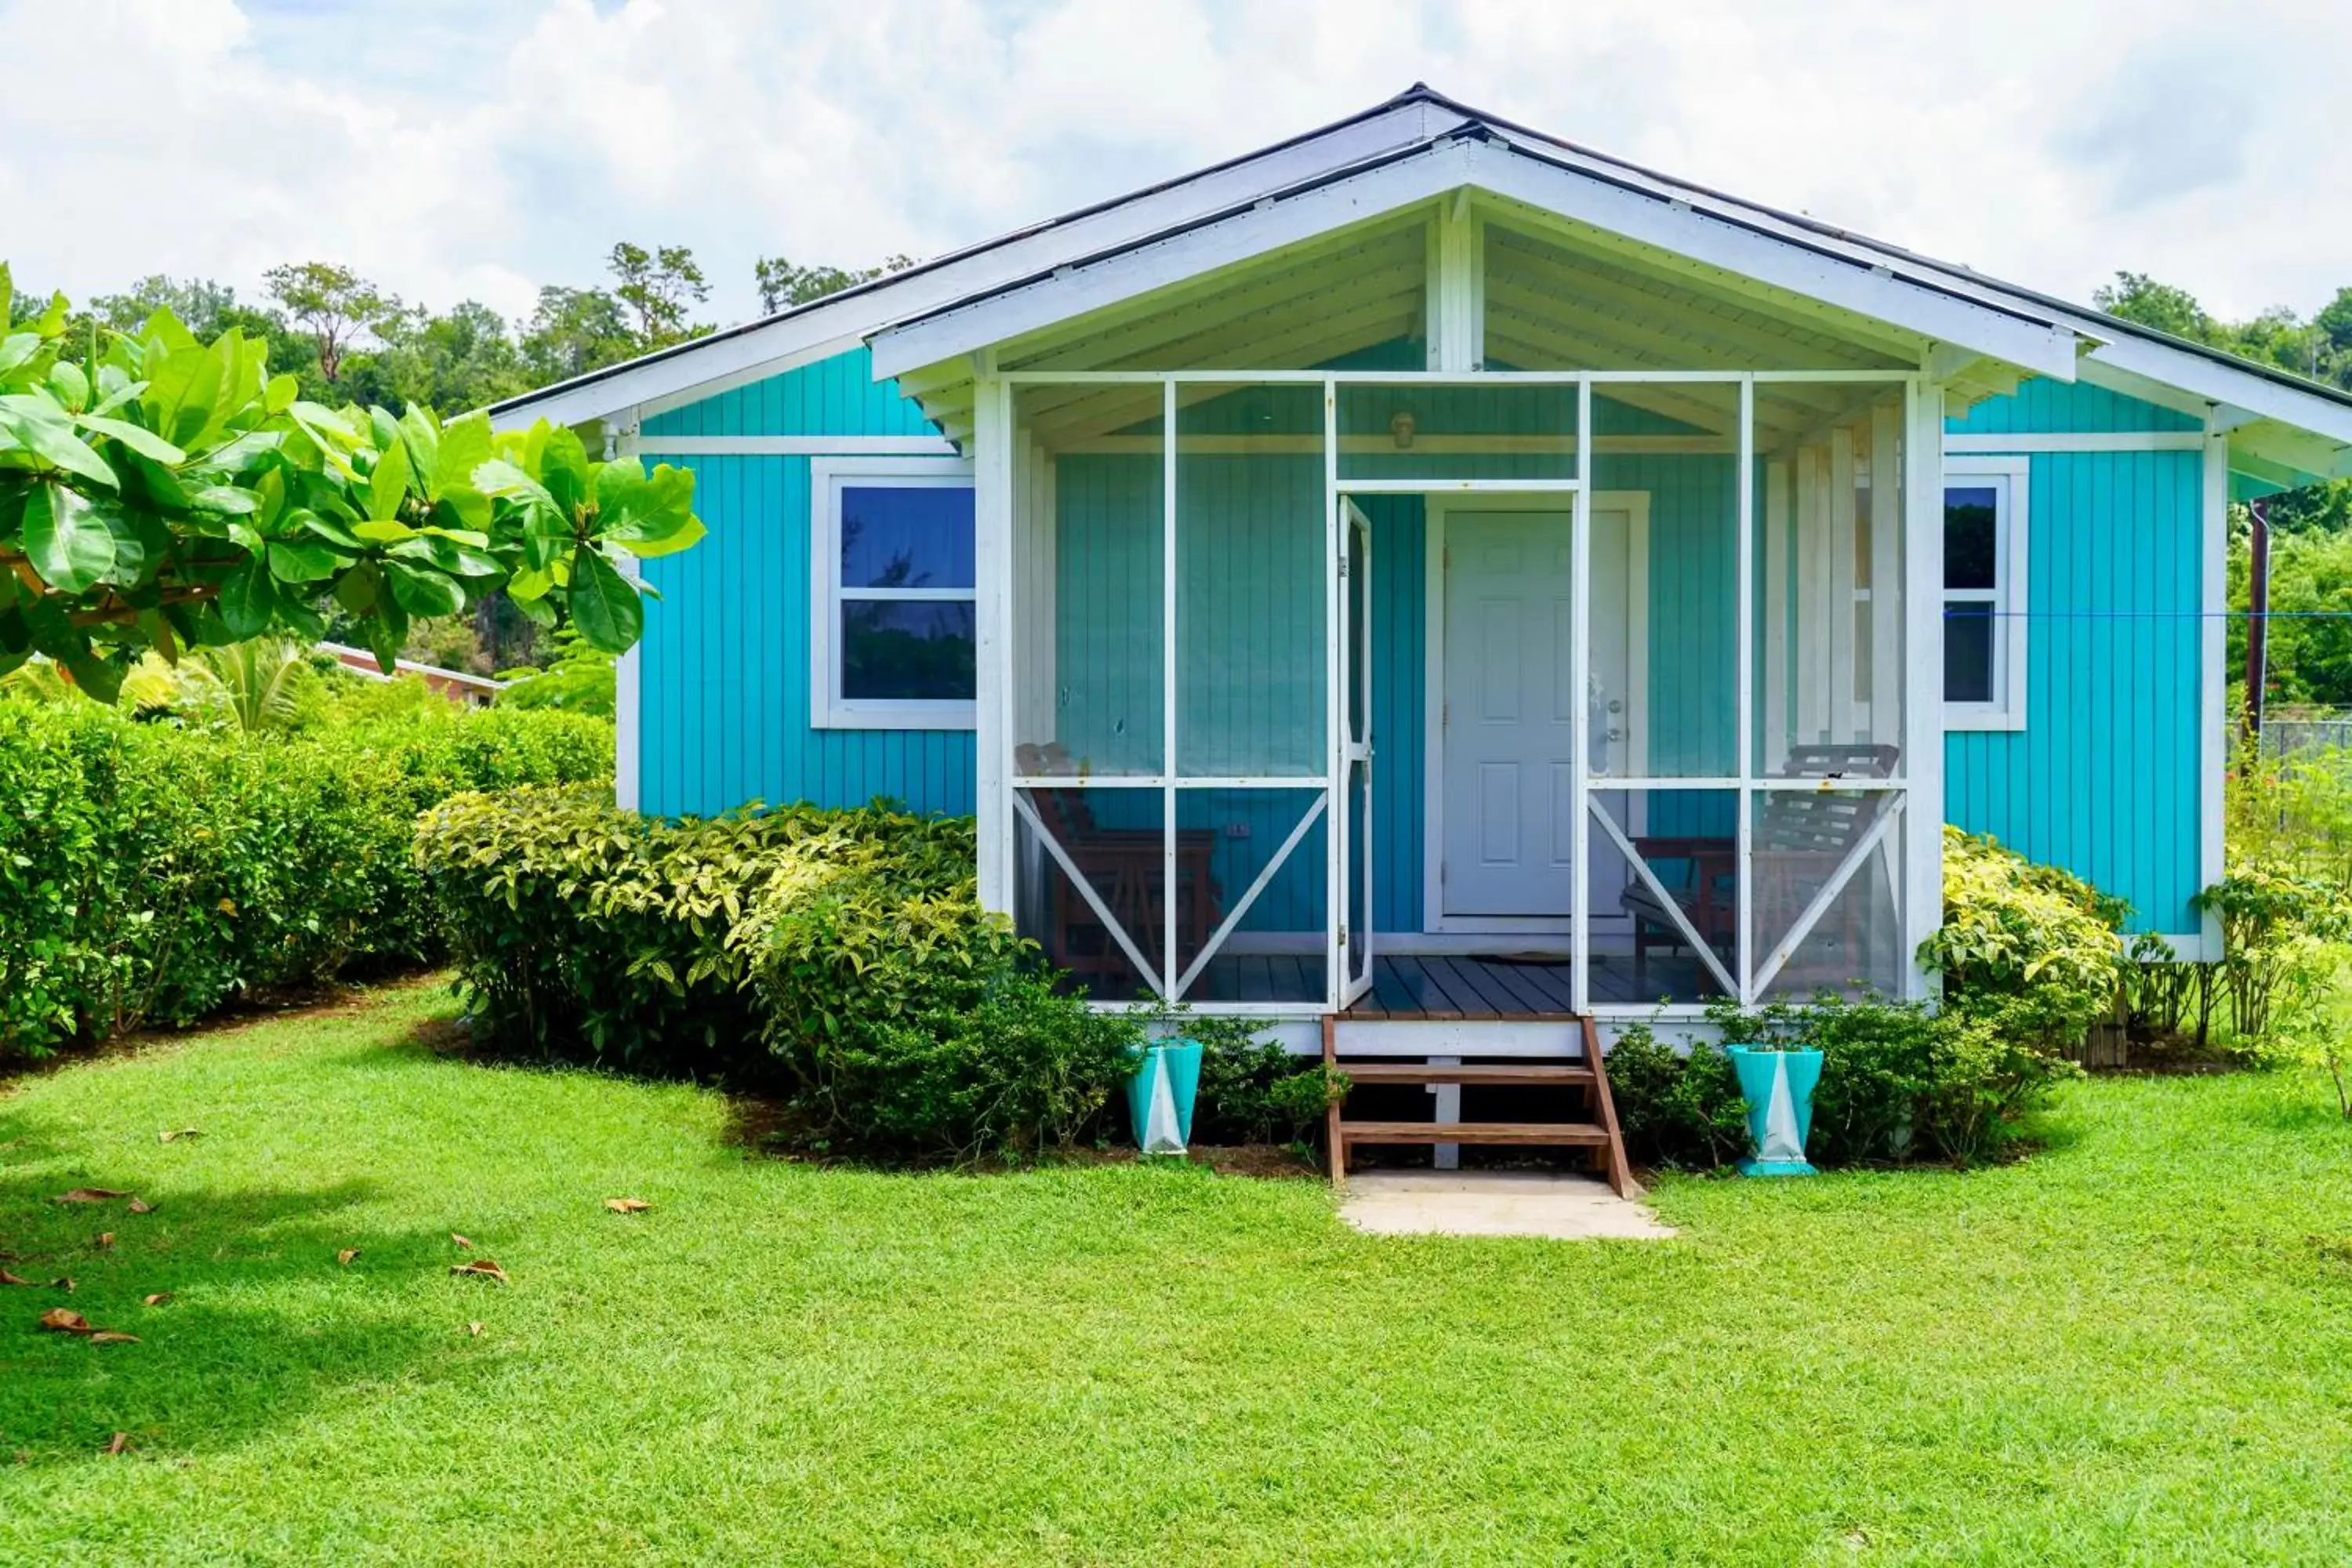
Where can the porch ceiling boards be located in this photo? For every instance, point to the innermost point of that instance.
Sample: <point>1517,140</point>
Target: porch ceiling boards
<point>1554,300</point>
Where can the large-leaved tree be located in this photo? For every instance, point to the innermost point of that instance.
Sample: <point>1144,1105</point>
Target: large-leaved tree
<point>161,492</point>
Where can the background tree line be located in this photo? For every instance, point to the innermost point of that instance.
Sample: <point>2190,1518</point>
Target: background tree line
<point>348,340</point>
<point>2309,657</point>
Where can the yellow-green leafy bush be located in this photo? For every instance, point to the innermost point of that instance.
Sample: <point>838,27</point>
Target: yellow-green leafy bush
<point>150,872</point>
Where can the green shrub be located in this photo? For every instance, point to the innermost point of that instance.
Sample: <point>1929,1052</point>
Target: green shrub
<point>1254,1090</point>
<point>840,953</point>
<point>2032,950</point>
<point>150,872</point>
<point>1904,1082</point>
<point>1674,1108</point>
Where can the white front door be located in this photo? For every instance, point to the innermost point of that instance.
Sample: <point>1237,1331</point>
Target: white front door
<point>1507,750</point>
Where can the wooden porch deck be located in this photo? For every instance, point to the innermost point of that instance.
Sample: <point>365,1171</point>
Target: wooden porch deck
<point>1429,986</point>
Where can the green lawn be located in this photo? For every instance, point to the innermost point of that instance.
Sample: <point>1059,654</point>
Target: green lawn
<point>2135,1346</point>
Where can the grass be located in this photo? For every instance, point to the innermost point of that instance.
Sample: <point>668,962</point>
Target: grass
<point>2133,1347</point>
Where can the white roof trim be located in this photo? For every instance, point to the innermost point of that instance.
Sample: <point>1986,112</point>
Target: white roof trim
<point>826,326</point>
<point>1803,265</point>
<point>1152,218</point>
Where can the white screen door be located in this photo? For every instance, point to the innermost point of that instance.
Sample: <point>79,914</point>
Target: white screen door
<point>1507,750</point>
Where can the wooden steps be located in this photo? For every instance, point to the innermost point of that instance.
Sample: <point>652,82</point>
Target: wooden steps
<point>1589,1073</point>
<point>1537,1132</point>
<point>1434,1072</point>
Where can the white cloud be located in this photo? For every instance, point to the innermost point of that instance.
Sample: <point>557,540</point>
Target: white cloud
<point>452,155</point>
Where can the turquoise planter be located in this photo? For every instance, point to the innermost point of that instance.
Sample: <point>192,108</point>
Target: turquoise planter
<point>1778,1089</point>
<point>1159,1096</point>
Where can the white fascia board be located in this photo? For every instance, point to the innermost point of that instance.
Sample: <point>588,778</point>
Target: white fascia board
<point>1804,268</point>
<point>830,327</point>
<point>1801,263</point>
<point>2211,382</point>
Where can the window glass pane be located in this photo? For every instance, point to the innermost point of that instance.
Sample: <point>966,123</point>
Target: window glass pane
<point>1972,556</point>
<point>1968,651</point>
<point>913,650</point>
<point>905,536</point>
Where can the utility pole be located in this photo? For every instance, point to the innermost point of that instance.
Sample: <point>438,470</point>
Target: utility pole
<point>2258,607</point>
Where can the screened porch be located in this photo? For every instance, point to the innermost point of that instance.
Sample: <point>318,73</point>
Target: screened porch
<point>1293,664</point>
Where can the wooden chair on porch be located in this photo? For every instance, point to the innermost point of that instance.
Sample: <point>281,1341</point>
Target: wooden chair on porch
<point>1127,869</point>
<point>1802,837</point>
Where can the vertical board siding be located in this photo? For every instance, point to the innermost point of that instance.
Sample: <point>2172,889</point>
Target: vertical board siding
<point>836,396</point>
<point>2103,780</point>
<point>724,669</point>
<point>2040,405</point>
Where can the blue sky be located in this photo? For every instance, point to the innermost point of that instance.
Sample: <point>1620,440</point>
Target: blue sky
<point>452,150</point>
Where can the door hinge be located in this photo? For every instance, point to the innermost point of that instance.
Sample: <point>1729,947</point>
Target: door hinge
<point>1343,566</point>
<point>1343,936</point>
<point>1444,715</point>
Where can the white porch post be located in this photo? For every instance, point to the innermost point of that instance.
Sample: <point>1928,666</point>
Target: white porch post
<point>991,734</point>
<point>2213,676</point>
<point>1923,669</point>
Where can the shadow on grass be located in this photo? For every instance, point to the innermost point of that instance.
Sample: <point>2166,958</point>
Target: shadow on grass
<point>261,1323</point>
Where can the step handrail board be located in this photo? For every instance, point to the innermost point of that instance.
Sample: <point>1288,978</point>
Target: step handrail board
<point>1474,1073</point>
<point>1583,1134</point>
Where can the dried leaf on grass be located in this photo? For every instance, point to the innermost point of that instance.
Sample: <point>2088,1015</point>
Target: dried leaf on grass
<point>475,1329</point>
<point>106,1238</point>
<point>158,1298</point>
<point>484,1267</point>
<point>346,1254</point>
<point>140,1206</point>
<point>173,1136</point>
<point>65,1320</point>
<point>60,1283</point>
<point>627,1205</point>
<point>462,1241</point>
<point>90,1195</point>
<point>112,1337</point>
<point>120,1443</point>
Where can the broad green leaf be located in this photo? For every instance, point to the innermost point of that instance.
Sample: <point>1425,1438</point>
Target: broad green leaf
<point>423,438</point>
<point>52,320</point>
<point>499,477</point>
<point>605,606</point>
<point>358,589</point>
<point>465,447</point>
<point>38,425</point>
<point>278,392</point>
<point>248,599</point>
<point>384,532</point>
<point>460,506</point>
<point>670,543</point>
<point>115,389</point>
<point>555,455</point>
<point>531,583</point>
<point>229,501</point>
<point>388,485</point>
<point>538,611</point>
<point>67,543</point>
<point>69,385</point>
<point>17,348</point>
<point>97,678</point>
<point>325,528</point>
<point>165,328</point>
<point>138,437</point>
<point>303,560</point>
<point>423,592</point>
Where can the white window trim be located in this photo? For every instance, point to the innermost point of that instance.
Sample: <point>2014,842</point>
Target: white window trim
<point>2013,532</point>
<point>828,710</point>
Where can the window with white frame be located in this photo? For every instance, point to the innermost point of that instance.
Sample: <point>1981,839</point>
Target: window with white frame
<point>1985,526</point>
<point>892,642</point>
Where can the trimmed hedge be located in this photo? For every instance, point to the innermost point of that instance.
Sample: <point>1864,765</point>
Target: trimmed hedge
<point>840,953</point>
<point>151,873</point>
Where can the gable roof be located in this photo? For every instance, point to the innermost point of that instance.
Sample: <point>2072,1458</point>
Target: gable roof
<point>1416,146</point>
